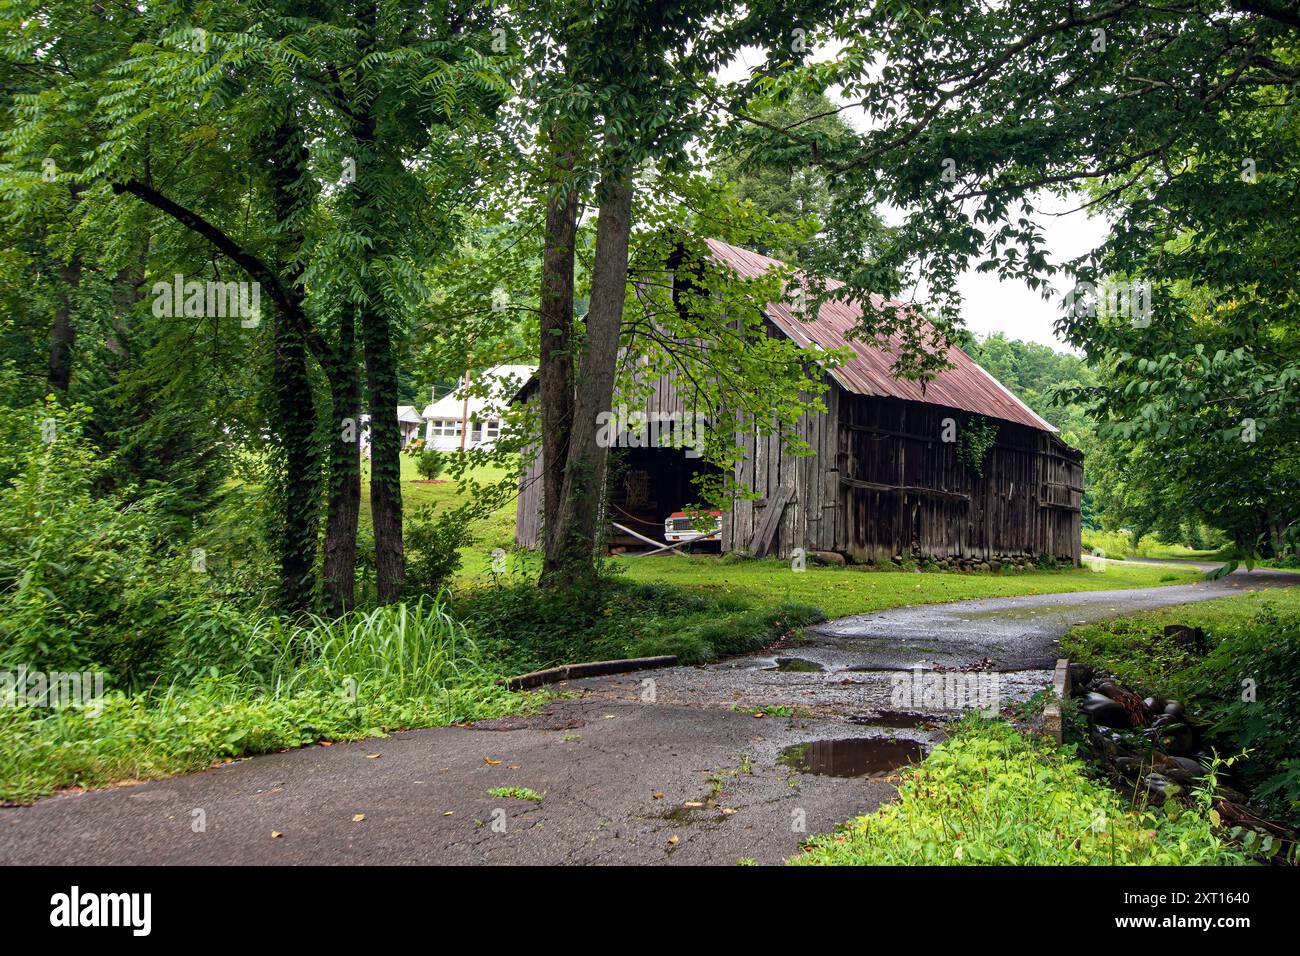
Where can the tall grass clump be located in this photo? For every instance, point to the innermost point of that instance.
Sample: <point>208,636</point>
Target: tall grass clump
<point>412,650</point>
<point>361,675</point>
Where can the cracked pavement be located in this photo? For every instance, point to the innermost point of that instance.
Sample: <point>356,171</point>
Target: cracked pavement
<point>615,770</point>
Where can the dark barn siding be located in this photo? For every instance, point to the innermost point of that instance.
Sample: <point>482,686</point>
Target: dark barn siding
<point>880,482</point>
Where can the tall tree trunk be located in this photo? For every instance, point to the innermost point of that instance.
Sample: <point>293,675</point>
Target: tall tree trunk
<point>385,454</point>
<point>571,543</point>
<point>296,425</point>
<point>555,372</point>
<point>62,333</point>
<point>344,507</point>
<point>295,402</point>
<point>377,334</point>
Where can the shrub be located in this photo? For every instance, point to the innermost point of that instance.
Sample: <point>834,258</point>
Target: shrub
<point>992,796</point>
<point>88,581</point>
<point>430,464</point>
<point>433,546</point>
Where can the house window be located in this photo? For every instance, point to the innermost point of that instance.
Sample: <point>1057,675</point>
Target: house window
<point>446,427</point>
<point>493,429</point>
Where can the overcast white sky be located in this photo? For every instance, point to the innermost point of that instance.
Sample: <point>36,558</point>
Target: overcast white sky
<point>990,304</point>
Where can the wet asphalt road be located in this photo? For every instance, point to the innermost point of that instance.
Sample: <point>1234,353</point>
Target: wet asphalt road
<point>615,767</point>
<point>1016,633</point>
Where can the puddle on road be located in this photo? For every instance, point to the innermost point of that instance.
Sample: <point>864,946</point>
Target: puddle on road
<point>851,757</point>
<point>798,665</point>
<point>900,719</point>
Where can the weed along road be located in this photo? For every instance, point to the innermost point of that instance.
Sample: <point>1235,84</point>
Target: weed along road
<point>739,760</point>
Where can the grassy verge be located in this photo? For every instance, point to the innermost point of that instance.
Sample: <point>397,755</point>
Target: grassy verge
<point>1244,686</point>
<point>362,676</point>
<point>702,607</point>
<point>523,628</point>
<point>853,590</point>
<point>992,796</point>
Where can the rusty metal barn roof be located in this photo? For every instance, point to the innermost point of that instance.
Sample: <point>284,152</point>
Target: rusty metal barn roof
<point>965,385</point>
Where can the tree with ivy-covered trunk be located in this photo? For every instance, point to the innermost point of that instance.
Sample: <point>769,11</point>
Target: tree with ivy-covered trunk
<point>280,93</point>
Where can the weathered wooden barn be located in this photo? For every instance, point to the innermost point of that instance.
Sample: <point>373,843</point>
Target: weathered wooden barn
<point>882,483</point>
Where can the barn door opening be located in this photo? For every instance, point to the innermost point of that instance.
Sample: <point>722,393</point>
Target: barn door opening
<point>647,486</point>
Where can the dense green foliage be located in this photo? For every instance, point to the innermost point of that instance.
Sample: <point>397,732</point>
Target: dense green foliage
<point>990,796</point>
<point>1244,687</point>
<point>360,676</point>
<point>89,578</point>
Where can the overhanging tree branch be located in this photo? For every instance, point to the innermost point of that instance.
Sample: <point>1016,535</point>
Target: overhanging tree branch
<point>285,300</point>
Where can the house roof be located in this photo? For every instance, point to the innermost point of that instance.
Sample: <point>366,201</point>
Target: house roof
<point>407,413</point>
<point>964,385</point>
<point>453,405</point>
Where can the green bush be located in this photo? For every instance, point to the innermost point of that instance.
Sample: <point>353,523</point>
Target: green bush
<point>90,581</point>
<point>430,464</point>
<point>433,544</point>
<point>992,796</point>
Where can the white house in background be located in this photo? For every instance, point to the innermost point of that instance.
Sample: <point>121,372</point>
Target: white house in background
<point>409,420</point>
<point>477,417</point>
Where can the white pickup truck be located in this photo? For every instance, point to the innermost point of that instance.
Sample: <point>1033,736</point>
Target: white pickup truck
<point>693,526</point>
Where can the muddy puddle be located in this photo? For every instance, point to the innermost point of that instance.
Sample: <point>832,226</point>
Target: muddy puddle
<point>851,757</point>
<point>798,665</point>
<point>897,719</point>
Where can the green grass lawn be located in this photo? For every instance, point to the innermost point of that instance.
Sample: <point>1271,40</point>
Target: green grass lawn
<point>497,530</point>
<point>837,591</point>
<point>1118,544</point>
<point>851,590</point>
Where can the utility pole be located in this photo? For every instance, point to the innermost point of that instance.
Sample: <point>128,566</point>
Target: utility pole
<point>464,408</point>
<point>464,412</point>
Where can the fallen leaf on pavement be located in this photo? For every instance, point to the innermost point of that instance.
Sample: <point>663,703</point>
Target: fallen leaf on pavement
<point>490,762</point>
<point>276,834</point>
<point>358,817</point>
